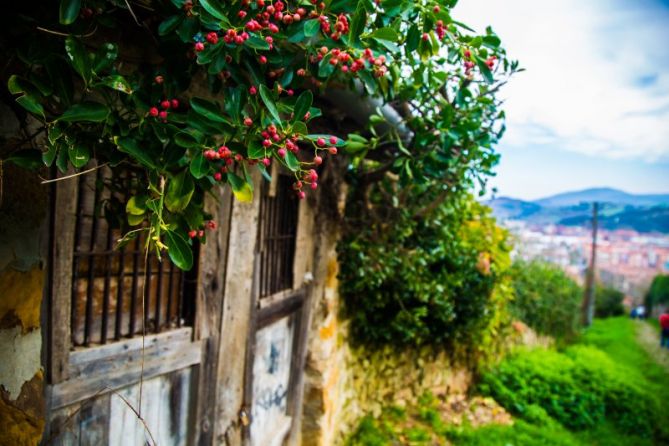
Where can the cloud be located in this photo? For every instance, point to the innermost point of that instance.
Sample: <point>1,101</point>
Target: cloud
<point>597,79</point>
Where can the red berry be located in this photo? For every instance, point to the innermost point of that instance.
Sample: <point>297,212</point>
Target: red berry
<point>163,114</point>
<point>266,143</point>
<point>218,176</point>
<point>290,92</point>
<point>252,90</point>
<point>248,122</point>
<point>314,185</point>
<point>425,37</point>
<point>332,150</point>
<point>199,46</point>
<point>159,79</point>
<point>467,54</point>
<point>153,111</point>
<point>436,9</point>
<point>262,60</point>
<point>333,140</point>
<point>200,233</point>
<point>211,224</point>
<point>174,103</point>
<point>212,37</point>
<point>165,104</point>
<point>241,14</point>
<point>318,160</point>
<point>320,142</point>
<point>301,195</point>
<point>281,152</point>
<point>192,234</point>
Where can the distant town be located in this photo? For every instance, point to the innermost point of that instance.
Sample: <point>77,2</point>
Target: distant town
<point>626,259</point>
<point>633,239</point>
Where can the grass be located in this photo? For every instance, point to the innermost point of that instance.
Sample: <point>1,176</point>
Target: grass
<point>615,342</point>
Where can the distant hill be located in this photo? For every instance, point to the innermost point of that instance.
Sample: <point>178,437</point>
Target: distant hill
<point>618,209</point>
<point>603,195</point>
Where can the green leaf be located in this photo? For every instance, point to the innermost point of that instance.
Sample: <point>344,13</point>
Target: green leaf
<point>485,71</point>
<point>292,162</point>
<point>170,24</point>
<point>105,57</point>
<point>214,8</point>
<point>242,190</point>
<point>300,128</point>
<point>178,250</point>
<point>29,96</point>
<point>324,67</point>
<point>311,27</point>
<point>256,150</point>
<point>412,40</point>
<point>85,112</point>
<point>130,146</point>
<point>188,138</point>
<point>27,158</point>
<point>135,220</point>
<point>79,154</point>
<point>31,104</point>
<point>49,156</point>
<point>208,109</point>
<point>117,82</point>
<point>266,96</point>
<point>136,205</point>
<point>257,43</point>
<point>302,105</point>
<point>358,23</point>
<point>179,192</point>
<point>79,57</point>
<point>386,34</point>
<point>69,10</point>
<point>199,166</point>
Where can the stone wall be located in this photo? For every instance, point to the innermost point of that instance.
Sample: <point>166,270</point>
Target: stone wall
<point>23,215</point>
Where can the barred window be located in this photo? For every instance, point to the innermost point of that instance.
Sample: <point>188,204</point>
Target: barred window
<point>108,283</point>
<point>277,235</point>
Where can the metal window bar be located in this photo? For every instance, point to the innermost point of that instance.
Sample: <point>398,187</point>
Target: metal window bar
<point>107,283</point>
<point>278,233</point>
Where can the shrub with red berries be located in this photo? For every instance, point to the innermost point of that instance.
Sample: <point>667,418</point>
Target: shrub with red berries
<point>264,61</point>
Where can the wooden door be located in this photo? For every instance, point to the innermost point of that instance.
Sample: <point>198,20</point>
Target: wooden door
<point>275,352</point>
<point>126,343</point>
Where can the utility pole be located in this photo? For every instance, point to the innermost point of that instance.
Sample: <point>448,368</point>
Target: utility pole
<point>589,298</point>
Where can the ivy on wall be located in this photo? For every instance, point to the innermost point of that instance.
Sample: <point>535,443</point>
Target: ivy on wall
<point>114,81</point>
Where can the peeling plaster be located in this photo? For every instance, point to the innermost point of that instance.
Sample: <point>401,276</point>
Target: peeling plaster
<point>20,355</point>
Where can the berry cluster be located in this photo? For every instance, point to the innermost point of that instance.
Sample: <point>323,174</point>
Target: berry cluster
<point>165,105</point>
<point>340,27</point>
<point>211,224</point>
<point>439,29</point>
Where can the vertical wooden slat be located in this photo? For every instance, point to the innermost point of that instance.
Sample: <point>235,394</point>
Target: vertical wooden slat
<point>74,271</point>
<point>133,294</point>
<point>146,298</point>
<point>235,321</point>
<point>88,318</point>
<point>106,292</point>
<point>119,296</point>
<point>170,293</point>
<point>159,294</point>
<point>209,308</point>
<point>61,294</point>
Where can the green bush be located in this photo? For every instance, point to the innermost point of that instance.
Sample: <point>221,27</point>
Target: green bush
<point>658,293</point>
<point>546,298</point>
<point>433,280</point>
<point>579,388</point>
<point>608,302</point>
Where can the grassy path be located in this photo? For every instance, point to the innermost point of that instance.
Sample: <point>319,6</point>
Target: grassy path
<point>649,338</point>
<point>617,354</point>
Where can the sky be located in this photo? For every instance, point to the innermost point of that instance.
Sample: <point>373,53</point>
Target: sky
<point>592,107</point>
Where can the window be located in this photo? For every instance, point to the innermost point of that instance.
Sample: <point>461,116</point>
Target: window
<point>108,283</point>
<point>277,235</point>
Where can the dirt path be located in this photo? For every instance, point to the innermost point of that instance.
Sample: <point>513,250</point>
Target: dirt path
<point>649,339</point>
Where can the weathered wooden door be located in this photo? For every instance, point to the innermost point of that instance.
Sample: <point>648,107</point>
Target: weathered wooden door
<point>275,353</point>
<point>124,348</point>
